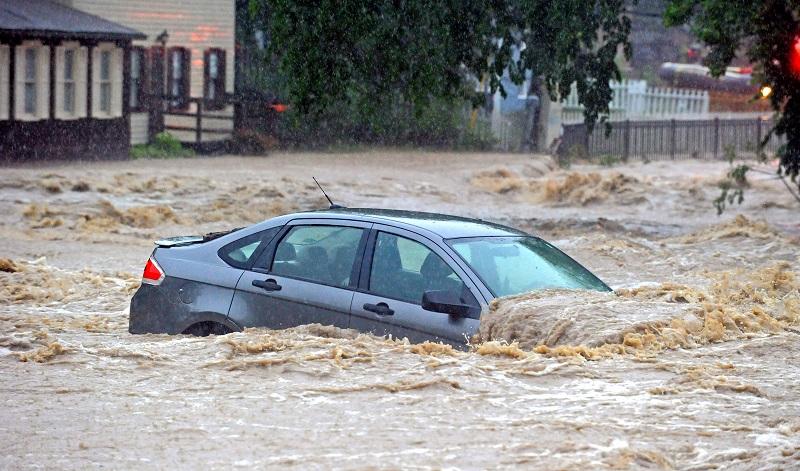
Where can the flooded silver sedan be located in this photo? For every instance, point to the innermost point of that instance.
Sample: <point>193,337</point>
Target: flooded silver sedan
<point>420,276</point>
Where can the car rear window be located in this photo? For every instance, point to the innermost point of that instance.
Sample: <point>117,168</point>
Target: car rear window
<point>241,253</point>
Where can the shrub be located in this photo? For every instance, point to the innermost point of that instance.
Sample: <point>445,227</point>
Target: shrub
<point>164,146</point>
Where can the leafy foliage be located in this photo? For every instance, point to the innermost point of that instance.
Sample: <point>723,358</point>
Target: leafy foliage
<point>441,125</point>
<point>769,31</point>
<point>732,188</point>
<point>164,146</point>
<point>371,53</point>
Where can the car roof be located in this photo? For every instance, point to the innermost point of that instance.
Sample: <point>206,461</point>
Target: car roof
<point>443,225</point>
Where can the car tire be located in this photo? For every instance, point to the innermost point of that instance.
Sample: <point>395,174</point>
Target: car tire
<point>204,329</point>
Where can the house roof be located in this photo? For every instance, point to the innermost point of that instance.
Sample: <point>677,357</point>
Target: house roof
<point>44,18</point>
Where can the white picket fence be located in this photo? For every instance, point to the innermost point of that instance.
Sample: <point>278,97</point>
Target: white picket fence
<point>634,100</point>
<point>496,127</point>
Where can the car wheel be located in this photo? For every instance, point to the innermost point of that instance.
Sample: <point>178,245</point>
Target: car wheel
<point>204,329</point>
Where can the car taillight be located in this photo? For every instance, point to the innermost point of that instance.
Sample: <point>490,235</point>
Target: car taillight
<point>153,274</point>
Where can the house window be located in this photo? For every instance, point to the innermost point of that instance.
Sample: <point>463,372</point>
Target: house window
<point>32,77</point>
<point>178,77</point>
<point>71,65</point>
<point>214,73</point>
<point>107,81</point>
<point>68,105</point>
<point>4,78</point>
<point>137,94</point>
<point>30,80</point>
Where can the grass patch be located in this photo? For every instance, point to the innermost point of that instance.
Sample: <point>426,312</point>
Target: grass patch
<point>164,146</point>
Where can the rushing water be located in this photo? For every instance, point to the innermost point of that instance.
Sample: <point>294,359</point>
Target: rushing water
<point>692,364</point>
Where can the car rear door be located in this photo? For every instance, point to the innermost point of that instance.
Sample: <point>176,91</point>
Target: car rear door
<point>306,276</point>
<point>392,282</point>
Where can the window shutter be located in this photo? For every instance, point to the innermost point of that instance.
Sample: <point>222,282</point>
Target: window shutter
<point>116,82</point>
<point>154,77</point>
<point>221,87</point>
<point>60,82</point>
<point>171,79</point>
<point>222,80</point>
<point>19,83</point>
<point>207,73</point>
<point>186,64</point>
<point>81,85</point>
<point>4,78</point>
<point>43,82</point>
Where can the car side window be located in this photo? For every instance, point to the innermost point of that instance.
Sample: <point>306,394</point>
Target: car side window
<point>324,254</point>
<point>404,269</point>
<point>240,253</point>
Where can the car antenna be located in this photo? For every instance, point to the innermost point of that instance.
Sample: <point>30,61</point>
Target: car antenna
<point>333,206</point>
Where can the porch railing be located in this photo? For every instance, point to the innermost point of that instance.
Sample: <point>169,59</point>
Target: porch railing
<point>201,116</point>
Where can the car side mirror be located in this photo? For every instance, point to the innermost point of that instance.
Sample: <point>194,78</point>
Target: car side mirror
<point>445,301</point>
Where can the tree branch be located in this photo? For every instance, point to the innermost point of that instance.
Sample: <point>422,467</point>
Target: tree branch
<point>788,187</point>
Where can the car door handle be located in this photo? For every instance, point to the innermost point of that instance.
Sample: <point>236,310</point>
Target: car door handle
<point>268,285</point>
<point>380,308</point>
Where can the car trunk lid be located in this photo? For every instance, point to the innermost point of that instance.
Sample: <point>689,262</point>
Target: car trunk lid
<point>182,241</point>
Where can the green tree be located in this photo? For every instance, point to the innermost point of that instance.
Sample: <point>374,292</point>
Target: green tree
<point>372,52</point>
<point>768,32</point>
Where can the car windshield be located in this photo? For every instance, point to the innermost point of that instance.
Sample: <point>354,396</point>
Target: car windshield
<point>513,265</point>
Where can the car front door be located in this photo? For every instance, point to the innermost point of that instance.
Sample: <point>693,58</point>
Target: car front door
<point>398,268</point>
<point>308,275</point>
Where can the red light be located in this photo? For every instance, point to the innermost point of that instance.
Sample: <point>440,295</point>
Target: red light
<point>153,274</point>
<point>794,58</point>
<point>278,107</point>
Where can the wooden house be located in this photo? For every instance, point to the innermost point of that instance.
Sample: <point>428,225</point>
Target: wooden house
<point>85,79</point>
<point>63,83</point>
<point>185,61</point>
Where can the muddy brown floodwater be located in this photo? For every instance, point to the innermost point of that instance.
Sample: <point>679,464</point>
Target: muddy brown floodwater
<point>694,364</point>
